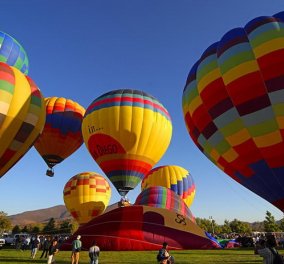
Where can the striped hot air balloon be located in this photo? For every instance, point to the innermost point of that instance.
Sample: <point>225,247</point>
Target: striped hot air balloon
<point>86,195</point>
<point>22,115</point>
<point>233,105</point>
<point>162,197</point>
<point>173,177</point>
<point>126,132</point>
<point>12,53</point>
<point>62,134</point>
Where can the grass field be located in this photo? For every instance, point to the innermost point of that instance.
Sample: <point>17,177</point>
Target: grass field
<point>242,256</point>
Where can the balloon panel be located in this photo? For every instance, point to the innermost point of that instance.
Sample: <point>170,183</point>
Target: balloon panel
<point>22,115</point>
<point>233,105</point>
<point>126,132</point>
<point>162,197</point>
<point>173,177</point>
<point>86,195</point>
<point>12,53</point>
<point>62,134</point>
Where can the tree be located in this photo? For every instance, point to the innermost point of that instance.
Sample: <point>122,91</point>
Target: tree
<point>270,224</point>
<point>16,229</point>
<point>226,229</point>
<point>281,225</point>
<point>65,227</point>
<point>50,226</point>
<point>240,227</point>
<point>5,223</point>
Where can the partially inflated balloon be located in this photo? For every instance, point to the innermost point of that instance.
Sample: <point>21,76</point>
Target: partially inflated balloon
<point>22,115</point>
<point>162,197</point>
<point>86,195</point>
<point>12,53</point>
<point>62,134</point>
<point>233,105</point>
<point>173,177</point>
<point>126,132</point>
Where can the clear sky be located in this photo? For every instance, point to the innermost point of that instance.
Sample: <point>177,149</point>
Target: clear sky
<point>82,49</point>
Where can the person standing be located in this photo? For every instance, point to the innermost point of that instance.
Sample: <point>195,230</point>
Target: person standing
<point>34,246</point>
<point>164,256</point>
<point>52,250</point>
<point>76,248</point>
<point>94,252</point>
<point>45,246</point>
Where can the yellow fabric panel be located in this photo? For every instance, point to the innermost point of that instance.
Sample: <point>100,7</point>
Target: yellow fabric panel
<point>230,155</point>
<point>268,47</point>
<point>268,139</point>
<point>208,78</point>
<point>239,137</point>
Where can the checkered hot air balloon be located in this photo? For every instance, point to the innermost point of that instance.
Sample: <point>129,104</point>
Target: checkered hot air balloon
<point>86,195</point>
<point>233,105</point>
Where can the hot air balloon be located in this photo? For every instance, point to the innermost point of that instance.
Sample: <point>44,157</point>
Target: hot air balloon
<point>22,115</point>
<point>233,105</point>
<point>12,53</point>
<point>86,195</point>
<point>141,227</point>
<point>126,132</point>
<point>62,134</point>
<point>173,177</point>
<point>162,197</point>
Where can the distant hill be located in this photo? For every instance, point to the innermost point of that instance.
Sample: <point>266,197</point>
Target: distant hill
<point>58,212</point>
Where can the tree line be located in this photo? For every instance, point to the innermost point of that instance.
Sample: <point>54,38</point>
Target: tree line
<point>209,225</point>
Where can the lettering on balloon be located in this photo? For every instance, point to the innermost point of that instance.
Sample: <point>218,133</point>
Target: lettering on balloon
<point>180,219</point>
<point>101,150</point>
<point>93,129</point>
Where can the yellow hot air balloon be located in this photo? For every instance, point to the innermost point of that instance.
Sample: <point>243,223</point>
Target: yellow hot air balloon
<point>126,132</point>
<point>22,115</point>
<point>173,177</point>
<point>86,195</point>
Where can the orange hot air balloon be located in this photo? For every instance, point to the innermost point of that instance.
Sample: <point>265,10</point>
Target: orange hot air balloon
<point>62,134</point>
<point>86,195</point>
<point>22,115</point>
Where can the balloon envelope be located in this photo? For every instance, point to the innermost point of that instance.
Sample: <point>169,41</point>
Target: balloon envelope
<point>162,197</point>
<point>62,134</point>
<point>126,132</point>
<point>22,115</point>
<point>86,195</point>
<point>233,105</point>
<point>173,177</point>
<point>12,53</point>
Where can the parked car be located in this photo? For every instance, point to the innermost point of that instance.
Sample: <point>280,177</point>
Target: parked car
<point>11,239</point>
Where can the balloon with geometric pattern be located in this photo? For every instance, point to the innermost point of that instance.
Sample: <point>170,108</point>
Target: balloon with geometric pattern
<point>173,177</point>
<point>22,115</point>
<point>86,195</point>
<point>233,105</point>
<point>126,132</point>
<point>12,53</point>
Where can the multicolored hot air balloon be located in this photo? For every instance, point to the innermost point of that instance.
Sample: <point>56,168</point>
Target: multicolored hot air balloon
<point>62,134</point>
<point>22,115</point>
<point>162,197</point>
<point>126,132</point>
<point>173,177</point>
<point>141,227</point>
<point>86,195</point>
<point>233,105</point>
<point>12,53</point>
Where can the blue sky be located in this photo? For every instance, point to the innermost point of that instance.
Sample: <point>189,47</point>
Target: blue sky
<point>82,49</point>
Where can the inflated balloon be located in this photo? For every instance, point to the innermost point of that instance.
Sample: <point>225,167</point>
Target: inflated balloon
<point>22,115</point>
<point>86,195</point>
<point>12,53</point>
<point>173,177</point>
<point>162,197</point>
<point>126,132</point>
<point>233,105</point>
<point>62,134</point>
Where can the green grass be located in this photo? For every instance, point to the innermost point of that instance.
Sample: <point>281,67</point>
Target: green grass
<point>233,256</point>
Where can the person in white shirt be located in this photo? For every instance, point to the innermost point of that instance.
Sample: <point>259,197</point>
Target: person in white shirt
<point>94,252</point>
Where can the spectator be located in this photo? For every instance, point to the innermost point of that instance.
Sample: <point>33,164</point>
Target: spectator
<point>76,248</point>
<point>94,253</point>
<point>52,250</point>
